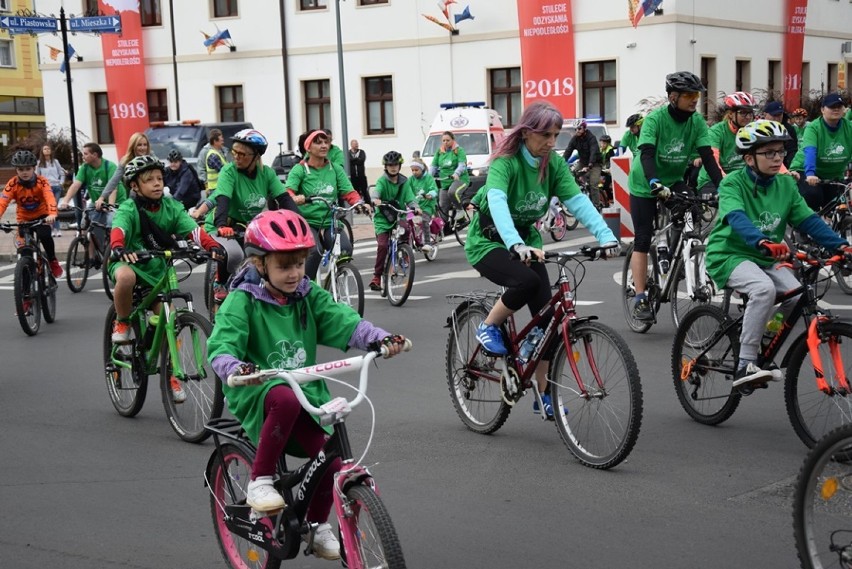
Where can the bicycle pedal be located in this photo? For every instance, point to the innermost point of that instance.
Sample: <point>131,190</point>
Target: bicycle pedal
<point>256,515</point>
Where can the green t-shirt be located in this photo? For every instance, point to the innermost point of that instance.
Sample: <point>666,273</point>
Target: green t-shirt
<point>849,114</point>
<point>335,156</point>
<point>270,335</point>
<point>631,142</point>
<point>526,197</point>
<point>675,142</point>
<point>329,182</point>
<point>771,208</point>
<point>171,218</point>
<point>800,132</point>
<point>95,180</point>
<point>725,140</point>
<point>447,162</point>
<point>425,192</point>
<point>388,191</point>
<point>247,196</point>
<point>834,149</point>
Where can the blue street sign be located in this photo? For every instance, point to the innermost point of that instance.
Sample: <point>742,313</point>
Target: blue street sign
<point>28,25</point>
<point>99,24</point>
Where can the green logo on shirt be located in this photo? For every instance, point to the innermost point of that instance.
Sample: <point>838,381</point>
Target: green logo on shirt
<point>533,202</point>
<point>768,221</point>
<point>289,355</point>
<point>836,150</point>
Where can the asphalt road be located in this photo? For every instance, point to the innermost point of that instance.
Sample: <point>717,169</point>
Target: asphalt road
<point>83,487</point>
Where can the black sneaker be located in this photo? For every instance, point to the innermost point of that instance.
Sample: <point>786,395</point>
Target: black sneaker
<point>642,311</point>
<point>751,374</point>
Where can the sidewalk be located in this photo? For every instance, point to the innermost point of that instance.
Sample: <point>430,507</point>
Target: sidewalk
<point>362,229</point>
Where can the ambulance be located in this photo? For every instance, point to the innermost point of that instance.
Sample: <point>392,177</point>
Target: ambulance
<point>477,129</point>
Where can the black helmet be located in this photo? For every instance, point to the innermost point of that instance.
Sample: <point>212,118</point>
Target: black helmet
<point>684,82</point>
<point>141,164</point>
<point>634,120</point>
<point>392,157</point>
<point>24,159</point>
<point>175,155</point>
<point>253,139</point>
<point>606,138</point>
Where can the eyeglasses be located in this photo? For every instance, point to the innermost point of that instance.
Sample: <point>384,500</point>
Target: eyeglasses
<point>691,96</point>
<point>745,113</point>
<point>238,154</point>
<point>772,154</point>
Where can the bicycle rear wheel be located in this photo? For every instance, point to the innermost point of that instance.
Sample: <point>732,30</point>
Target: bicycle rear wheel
<point>349,286</point>
<point>371,530</point>
<point>399,274</point>
<point>108,286</point>
<point>209,279</point>
<point>473,380</point>
<point>571,222</point>
<point>77,264</point>
<point>560,227</point>
<point>628,291</point>
<point>814,413</point>
<point>702,287</point>
<point>229,477</point>
<point>47,289</point>
<point>204,399</point>
<point>124,370</point>
<point>600,426</point>
<point>27,297</point>
<point>821,503</point>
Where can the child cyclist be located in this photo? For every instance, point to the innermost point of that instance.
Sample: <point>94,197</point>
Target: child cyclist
<point>147,221</point>
<point>393,189</point>
<point>425,191</point>
<point>35,200</point>
<point>747,242</point>
<point>275,317</point>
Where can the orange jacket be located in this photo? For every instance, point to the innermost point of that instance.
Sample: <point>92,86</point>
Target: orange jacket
<point>33,203</point>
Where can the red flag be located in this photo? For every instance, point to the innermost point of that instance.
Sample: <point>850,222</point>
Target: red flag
<point>794,45</point>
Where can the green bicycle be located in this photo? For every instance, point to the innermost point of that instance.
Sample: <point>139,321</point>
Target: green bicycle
<point>168,341</point>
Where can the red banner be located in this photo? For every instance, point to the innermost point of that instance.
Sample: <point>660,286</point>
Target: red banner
<point>794,46</point>
<point>125,72</point>
<point>547,53</point>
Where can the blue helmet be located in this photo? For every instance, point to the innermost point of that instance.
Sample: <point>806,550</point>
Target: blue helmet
<point>253,139</point>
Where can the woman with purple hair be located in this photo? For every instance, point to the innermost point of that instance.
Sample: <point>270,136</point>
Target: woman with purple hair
<point>502,242</point>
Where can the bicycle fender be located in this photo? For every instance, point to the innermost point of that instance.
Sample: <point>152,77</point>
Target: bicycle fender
<point>457,311</point>
<point>357,475</point>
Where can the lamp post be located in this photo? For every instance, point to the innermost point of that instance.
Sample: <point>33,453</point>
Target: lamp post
<point>343,120</point>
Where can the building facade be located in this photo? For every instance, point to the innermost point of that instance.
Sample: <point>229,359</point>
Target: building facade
<point>282,71</point>
<point>21,94</point>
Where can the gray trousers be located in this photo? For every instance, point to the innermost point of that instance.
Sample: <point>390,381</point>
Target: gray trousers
<point>447,197</point>
<point>761,285</point>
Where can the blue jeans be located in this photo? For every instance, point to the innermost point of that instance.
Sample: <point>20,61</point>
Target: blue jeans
<point>57,193</point>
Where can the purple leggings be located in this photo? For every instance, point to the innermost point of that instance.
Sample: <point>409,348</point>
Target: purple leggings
<point>285,418</point>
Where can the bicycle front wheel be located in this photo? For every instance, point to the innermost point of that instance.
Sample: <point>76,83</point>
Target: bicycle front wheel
<point>124,370</point>
<point>473,379</point>
<point>704,360</point>
<point>77,265</point>
<point>349,286</point>
<point>371,530</point>
<point>598,412</point>
<point>48,296</point>
<point>399,274</point>
<point>702,287</point>
<point>27,297</point>
<point>628,291</point>
<point>108,286</point>
<point>821,503</point>
<point>812,412</point>
<point>195,399</point>
<point>229,478</point>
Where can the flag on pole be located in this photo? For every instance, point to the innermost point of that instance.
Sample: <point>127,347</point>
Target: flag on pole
<point>221,37</point>
<point>636,9</point>
<point>68,55</point>
<point>446,25</point>
<point>54,52</point>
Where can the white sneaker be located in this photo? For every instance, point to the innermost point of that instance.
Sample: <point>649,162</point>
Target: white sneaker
<point>751,374</point>
<point>262,495</point>
<point>325,544</point>
<point>427,248</point>
<point>73,225</point>
<point>58,233</point>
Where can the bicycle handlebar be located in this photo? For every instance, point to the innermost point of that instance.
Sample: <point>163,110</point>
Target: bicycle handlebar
<point>587,254</point>
<point>296,377</point>
<point>8,226</point>
<point>338,210</point>
<point>184,251</point>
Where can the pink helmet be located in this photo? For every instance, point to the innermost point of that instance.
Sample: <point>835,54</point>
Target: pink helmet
<point>739,100</point>
<point>279,230</point>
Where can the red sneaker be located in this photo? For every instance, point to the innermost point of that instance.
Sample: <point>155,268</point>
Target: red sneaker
<point>376,283</point>
<point>55,268</point>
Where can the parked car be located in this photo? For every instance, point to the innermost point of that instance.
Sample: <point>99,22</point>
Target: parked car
<point>188,137</point>
<point>283,163</point>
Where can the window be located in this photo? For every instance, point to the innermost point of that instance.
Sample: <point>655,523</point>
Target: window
<point>743,78</point>
<point>7,53</point>
<point>91,7</point>
<point>773,82</point>
<point>378,95</point>
<point>231,104</point>
<point>103,125</point>
<point>317,104</point>
<point>5,5</point>
<point>806,78</point>
<point>225,9</point>
<point>11,105</point>
<point>151,15</point>
<point>313,4</point>
<point>599,94</point>
<point>371,2</point>
<point>158,105</point>
<point>831,78</point>
<point>708,79</point>
<point>506,94</point>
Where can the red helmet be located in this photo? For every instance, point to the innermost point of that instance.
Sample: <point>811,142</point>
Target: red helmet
<point>800,112</point>
<point>739,100</point>
<point>279,230</point>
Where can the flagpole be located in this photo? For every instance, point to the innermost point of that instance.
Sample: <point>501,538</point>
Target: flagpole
<point>64,29</point>
<point>174,59</point>
<point>343,118</point>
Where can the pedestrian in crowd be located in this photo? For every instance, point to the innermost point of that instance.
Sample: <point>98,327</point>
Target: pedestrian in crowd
<point>49,167</point>
<point>774,111</point>
<point>357,174</point>
<point>139,145</point>
<point>211,159</point>
<point>182,181</point>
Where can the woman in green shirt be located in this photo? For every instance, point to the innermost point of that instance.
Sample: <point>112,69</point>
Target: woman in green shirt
<point>449,168</point>
<point>739,111</point>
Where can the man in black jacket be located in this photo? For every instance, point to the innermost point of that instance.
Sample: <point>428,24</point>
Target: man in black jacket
<point>182,180</point>
<point>774,111</point>
<point>588,157</point>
